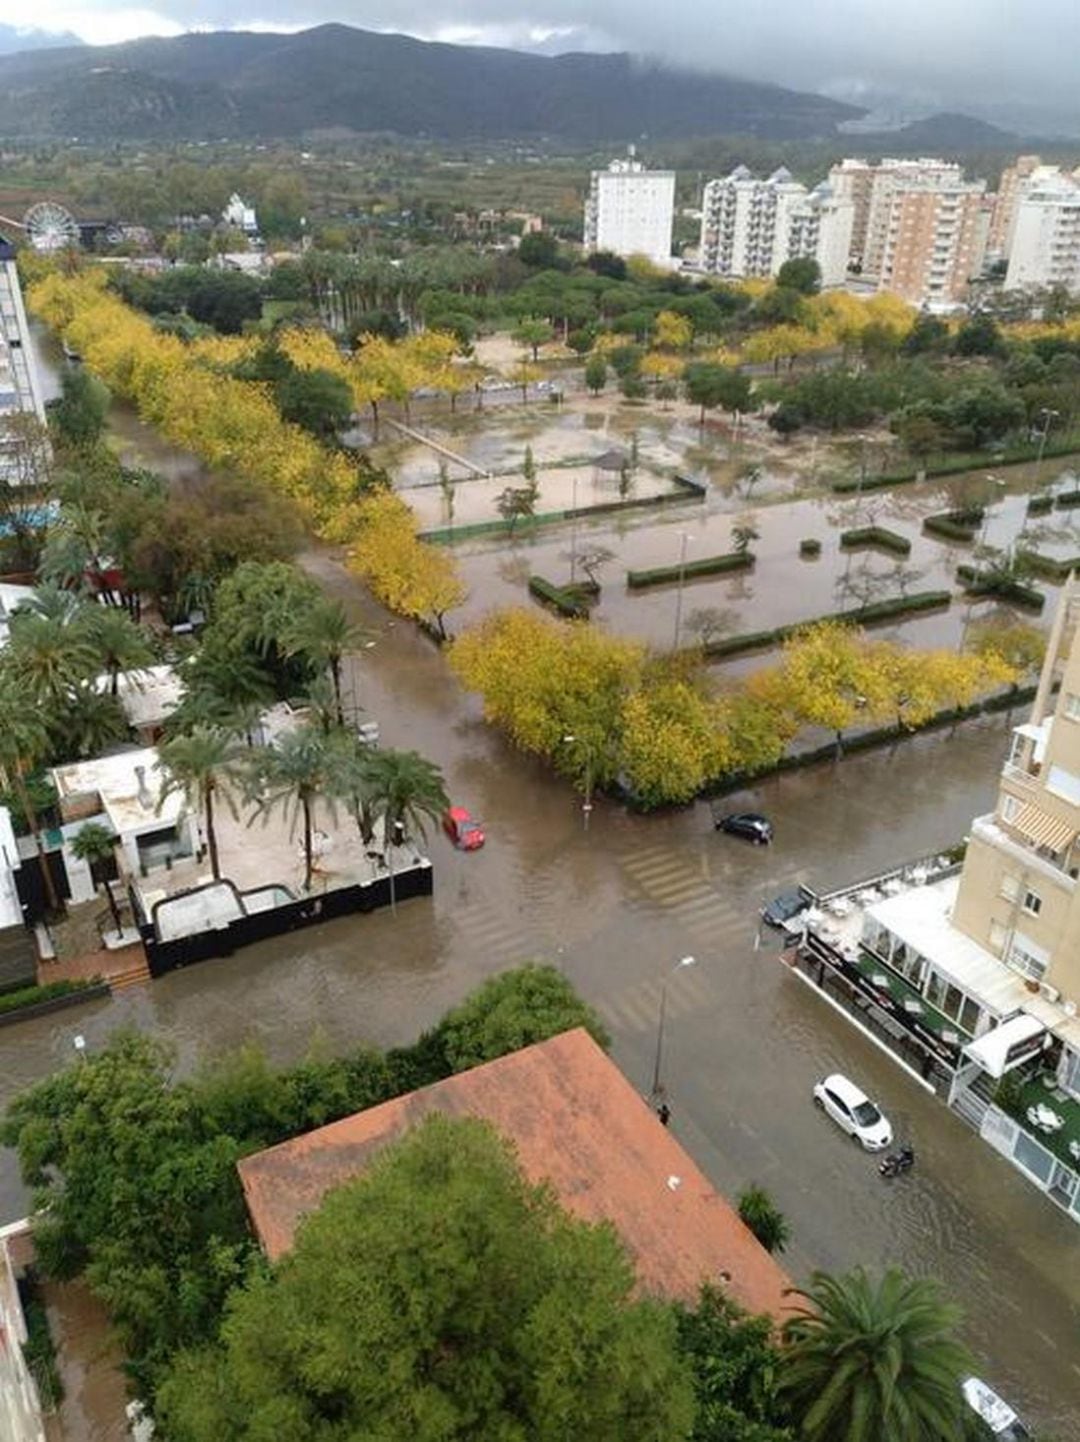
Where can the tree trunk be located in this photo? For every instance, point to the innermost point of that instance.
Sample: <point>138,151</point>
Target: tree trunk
<point>114,909</point>
<point>211,836</point>
<point>114,683</point>
<point>305,802</point>
<point>335,675</point>
<point>19,782</point>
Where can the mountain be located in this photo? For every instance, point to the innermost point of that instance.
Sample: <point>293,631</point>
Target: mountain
<point>13,39</point>
<point>334,77</point>
<point>949,132</point>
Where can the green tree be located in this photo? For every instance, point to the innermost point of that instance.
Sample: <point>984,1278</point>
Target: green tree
<point>120,643</point>
<point>256,608</point>
<point>439,1297</point>
<point>764,1218</point>
<point>744,532</point>
<point>709,385</point>
<point>78,417</point>
<point>96,845</point>
<point>596,374</point>
<point>803,274</point>
<point>324,635</point>
<point>293,774</point>
<point>52,655</point>
<point>24,744</point>
<point>316,400</point>
<point>408,792</point>
<point>203,765</point>
<point>512,1010</point>
<point>875,1361</point>
<point>735,1365</point>
<point>531,333</point>
<point>979,335</point>
<point>515,502</point>
<point>539,250</point>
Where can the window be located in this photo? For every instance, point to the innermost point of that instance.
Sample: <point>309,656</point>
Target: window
<point>1010,805</point>
<point>969,1015</point>
<point>1063,783</point>
<point>1071,706</point>
<point>1023,957</point>
<point>1032,903</point>
<point>1010,887</point>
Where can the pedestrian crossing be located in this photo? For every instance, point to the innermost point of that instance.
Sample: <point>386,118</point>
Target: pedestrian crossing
<point>636,1009</point>
<point>692,900</point>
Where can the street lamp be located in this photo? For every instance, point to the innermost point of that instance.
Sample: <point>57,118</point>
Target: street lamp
<point>685,961</point>
<point>1048,415</point>
<point>586,804</point>
<point>685,541</point>
<point>979,544</point>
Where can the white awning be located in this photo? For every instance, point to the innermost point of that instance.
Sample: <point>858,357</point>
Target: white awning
<point>1042,829</point>
<point>1013,1042</point>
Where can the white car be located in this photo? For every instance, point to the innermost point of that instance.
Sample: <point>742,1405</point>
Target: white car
<point>998,1415</point>
<point>854,1112</point>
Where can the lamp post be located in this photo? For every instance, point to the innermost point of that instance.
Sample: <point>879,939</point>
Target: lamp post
<point>573,529</point>
<point>1048,415</point>
<point>586,804</point>
<point>685,961</point>
<point>980,542</point>
<point>685,541</point>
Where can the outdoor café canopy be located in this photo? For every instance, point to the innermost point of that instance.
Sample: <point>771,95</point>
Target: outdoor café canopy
<point>1009,1044</point>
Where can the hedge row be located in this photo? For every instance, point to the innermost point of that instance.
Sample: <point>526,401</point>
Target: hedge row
<point>955,525</point>
<point>1046,566</point>
<point>1066,499</point>
<point>1003,588</point>
<point>1039,505</point>
<point>810,547</point>
<point>877,536</point>
<point>869,615</point>
<point>706,566</point>
<point>34,995</point>
<point>567,603</point>
<point>951,465</point>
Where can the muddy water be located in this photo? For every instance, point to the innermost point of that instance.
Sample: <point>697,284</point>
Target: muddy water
<point>615,907</point>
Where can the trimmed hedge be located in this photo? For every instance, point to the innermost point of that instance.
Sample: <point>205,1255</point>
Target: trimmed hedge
<point>877,536</point>
<point>35,995</point>
<point>565,602</point>
<point>1047,567</point>
<point>1040,505</point>
<point>869,615</point>
<point>1003,588</point>
<point>1016,455</point>
<point>707,566</point>
<point>1066,499</point>
<point>955,525</point>
<point>810,547</point>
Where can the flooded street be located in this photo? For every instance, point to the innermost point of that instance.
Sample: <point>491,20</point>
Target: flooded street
<point>616,907</point>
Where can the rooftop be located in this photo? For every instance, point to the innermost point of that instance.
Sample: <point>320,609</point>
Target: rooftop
<point>576,1123</point>
<point>129,785</point>
<point>147,696</point>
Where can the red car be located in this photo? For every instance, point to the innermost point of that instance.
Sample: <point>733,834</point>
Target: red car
<point>463,831</point>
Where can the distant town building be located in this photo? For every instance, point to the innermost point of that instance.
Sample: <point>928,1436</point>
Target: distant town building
<point>750,227</point>
<point>240,215</point>
<point>1044,236</point>
<point>630,210</point>
<point>1013,177</point>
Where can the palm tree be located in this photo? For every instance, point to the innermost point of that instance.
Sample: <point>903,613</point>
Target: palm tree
<point>51,656</point>
<point>196,764</point>
<point>120,643</point>
<point>87,722</point>
<point>24,744</point>
<point>323,634</point>
<point>94,844</point>
<point>407,790</point>
<point>874,1361</point>
<point>353,779</point>
<point>293,774</point>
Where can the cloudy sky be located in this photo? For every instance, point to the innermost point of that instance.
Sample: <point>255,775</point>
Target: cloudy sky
<point>941,50</point>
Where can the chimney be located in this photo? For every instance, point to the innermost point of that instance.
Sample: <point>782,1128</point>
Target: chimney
<point>145,798</point>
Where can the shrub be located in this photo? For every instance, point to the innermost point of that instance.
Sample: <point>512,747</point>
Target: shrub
<point>32,995</point>
<point>877,536</point>
<point>764,1218</point>
<point>810,548</point>
<point>1047,567</point>
<point>1040,505</point>
<point>567,603</point>
<point>706,566</point>
<point>1066,499</point>
<point>1002,587</point>
<point>863,616</point>
<point>958,525</point>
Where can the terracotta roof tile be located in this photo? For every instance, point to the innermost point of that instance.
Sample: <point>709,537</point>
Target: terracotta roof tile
<point>575,1122</point>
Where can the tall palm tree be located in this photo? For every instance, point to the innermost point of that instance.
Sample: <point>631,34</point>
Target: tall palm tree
<point>323,634</point>
<point>95,844</point>
<point>24,744</point>
<point>293,774</point>
<point>50,656</point>
<point>874,1361</point>
<point>407,791</point>
<point>198,764</point>
<point>353,779</point>
<point>121,644</point>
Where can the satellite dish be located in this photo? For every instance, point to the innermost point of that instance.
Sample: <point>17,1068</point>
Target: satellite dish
<point>50,227</point>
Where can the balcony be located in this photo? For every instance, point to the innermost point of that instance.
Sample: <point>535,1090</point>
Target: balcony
<point>1022,782</point>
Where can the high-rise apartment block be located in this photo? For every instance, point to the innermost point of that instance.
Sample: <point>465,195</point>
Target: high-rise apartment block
<point>1044,235</point>
<point>1013,179</point>
<point>918,228</point>
<point>630,210</point>
<point>19,386</point>
<point>750,227</point>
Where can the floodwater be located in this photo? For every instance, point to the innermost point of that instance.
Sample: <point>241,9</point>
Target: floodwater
<point>616,906</point>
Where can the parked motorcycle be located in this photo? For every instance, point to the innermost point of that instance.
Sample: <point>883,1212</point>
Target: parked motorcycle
<point>897,1162</point>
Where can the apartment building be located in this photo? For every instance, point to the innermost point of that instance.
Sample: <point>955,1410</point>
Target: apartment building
<point>630,210</point>
<point>1044,236</point>
<point>933,241</point>
<point>750,226</point>
<point>20,389</point>
<point>1013,179</point>
<point>870,188</point>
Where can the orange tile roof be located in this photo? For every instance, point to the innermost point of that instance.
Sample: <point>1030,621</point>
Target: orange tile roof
<point>575,1122</point>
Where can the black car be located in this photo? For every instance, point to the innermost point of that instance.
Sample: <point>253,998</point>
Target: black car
<point>750,825</point>
<point>783,907</point>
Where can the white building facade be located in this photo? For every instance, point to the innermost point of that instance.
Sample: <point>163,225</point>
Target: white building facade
<point>20,388</point>
<point>630,211</point>
<point>750,226</point>
<point>1044,242</point>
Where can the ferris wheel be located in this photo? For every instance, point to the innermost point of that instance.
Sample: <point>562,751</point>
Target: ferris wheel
<point>50,227</point>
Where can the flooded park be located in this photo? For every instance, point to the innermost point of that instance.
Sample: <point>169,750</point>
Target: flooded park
<point>615,905</point>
